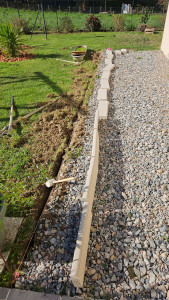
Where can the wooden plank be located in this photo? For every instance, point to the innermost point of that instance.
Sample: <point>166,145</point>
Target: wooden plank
<point>68,61</point>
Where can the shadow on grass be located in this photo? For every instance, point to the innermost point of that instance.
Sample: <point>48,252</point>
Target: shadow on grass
<point>46,80</point>
<point>49,82</point>
<point>97,36</point>
<point>8,82</point>
<point>46,56</point>
<point>89,54</point>
<point>19,127</point>
<point>26,106</point>
<point>38,76</point>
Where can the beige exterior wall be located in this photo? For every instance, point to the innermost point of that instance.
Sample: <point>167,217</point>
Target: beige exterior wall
<point>165,40</point>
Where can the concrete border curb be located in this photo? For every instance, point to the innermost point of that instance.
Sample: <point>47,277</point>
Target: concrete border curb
<point>79,259</point>
<point>103,109</point>
<point>102,94</point>
<point>109,67</point>
<point>105,84</point>
<point>80,254</point>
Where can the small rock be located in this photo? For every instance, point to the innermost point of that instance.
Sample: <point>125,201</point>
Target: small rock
<point>162,288</point>
<point>124,195</point>
<point>153,294</point>
<point>126,262</point>
<point>152,277</point>
<point>53,241</point>
<point>44,283</point>
<point>152,244</point>
<point>91,271</point>
<point>164,254</point>
<point>97,247</point>
<point>114,279</point>
<point>143,271</point>
<point>125,286</point>
<point>132,284</point>
<point>112,257</point>
<point>120,266</point>
<point>137,272</point>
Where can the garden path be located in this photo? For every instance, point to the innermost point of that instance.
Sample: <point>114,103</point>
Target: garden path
<point>128,253</point>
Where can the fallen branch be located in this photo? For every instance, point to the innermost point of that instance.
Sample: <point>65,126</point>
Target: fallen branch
<point>25,117</point>
<point>68,61</point>
<point>34,112</point>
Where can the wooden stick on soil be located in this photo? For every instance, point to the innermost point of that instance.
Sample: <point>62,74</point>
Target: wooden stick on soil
<point>11,114</point>
<point>35,111</point>
<point>68,61</point>
<point>25,117</point>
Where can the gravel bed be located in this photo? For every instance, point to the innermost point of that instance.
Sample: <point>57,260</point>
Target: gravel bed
<point>128,255</point>
<point>49,262</point>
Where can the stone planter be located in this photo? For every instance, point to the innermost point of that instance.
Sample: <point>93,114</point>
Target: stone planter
<point>79,55</point>
<point>2,215</point>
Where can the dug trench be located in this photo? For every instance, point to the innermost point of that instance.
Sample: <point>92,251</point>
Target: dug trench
<point>57,134</point>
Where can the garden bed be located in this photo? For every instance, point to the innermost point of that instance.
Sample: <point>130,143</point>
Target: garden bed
<point>22,55</point>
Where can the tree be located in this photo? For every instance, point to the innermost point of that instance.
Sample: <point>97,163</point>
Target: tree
<point>163,3</point>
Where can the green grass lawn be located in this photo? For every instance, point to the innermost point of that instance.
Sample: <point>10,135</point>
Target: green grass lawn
<point>53,19</point>
<point>31,80</point>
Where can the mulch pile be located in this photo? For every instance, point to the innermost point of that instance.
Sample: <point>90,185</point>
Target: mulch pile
<point>22,55</point>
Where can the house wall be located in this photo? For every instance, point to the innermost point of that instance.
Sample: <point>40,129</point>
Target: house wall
<point>165,40</point>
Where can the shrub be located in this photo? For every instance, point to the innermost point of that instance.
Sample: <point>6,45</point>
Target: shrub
<point>66,24</point>
<point>118,22</point>
<point>159,23</point>
<point>10,39</point>
<point>130,26</point>
<point>93,23</point>
<point>141,27</point>
<point>145,17</point>
<point>21,25</point>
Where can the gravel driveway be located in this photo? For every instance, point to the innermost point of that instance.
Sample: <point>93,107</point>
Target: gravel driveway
<point>128,255</point>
